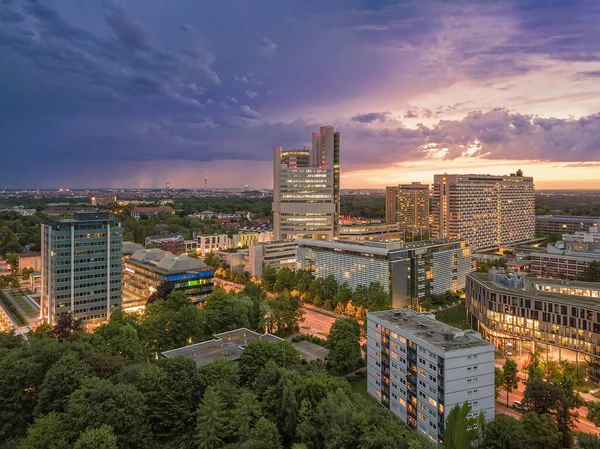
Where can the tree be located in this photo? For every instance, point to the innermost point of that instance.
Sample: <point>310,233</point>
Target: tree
<point>258,352</point>
<point>379,298</point>
<point>592,272</point>
<point>212,260</point>
<point>120,406</point>
<point>330,287</point>
<point>504,432</point>
<point>100,438</point>
<point>588,441</point>
<point>342,296</point>
<point>303,280</point>
<point>247,411</point>
<point>269,277</point>
<point>459,433</point>
<point>344,357</point>
<point>264,436</point>
<point>541,431</point>
<point>498,381</point>
<point>284,280</point>
<point>211,423</point>
<point>511,380</point>
<point>594,413</point>
<point>46,432</point>
<point>343,329</point>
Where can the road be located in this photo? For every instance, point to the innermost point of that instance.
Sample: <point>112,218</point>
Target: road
<point>582,423</point>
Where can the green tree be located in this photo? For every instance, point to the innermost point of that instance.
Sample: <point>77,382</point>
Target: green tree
<point>379,298</point>
<point>498,381</point>
<point>343,295</point>
<point>460,432</point>
<point>100,438</point>
<point>541,431</point>
<point>211,423</point>
<point>330,287</point>
<point>594,412</point>
<point>269,277</point>
<point>120,406</point>
<point>303,280</point>
<point>592,272</point>
<point>46,432</point>
<point>504,432</point>
<point>343,329</point>
<point>246,413</point>
<point>344,357</point>
<point>284,280</point>
<point>587,441</point>
<point>360,297</point>
<point>511,380</point>
<point>258,352</point>
<point>264,436</point>
<point>212,260</point>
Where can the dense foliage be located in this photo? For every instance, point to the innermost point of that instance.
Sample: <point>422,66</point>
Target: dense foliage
<point>110,390</point>
<point>571,203</point>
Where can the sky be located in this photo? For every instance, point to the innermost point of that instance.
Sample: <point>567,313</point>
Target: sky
<point>135,93</point>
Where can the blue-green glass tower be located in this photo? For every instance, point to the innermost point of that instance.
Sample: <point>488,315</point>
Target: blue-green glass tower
<point>81,267</point>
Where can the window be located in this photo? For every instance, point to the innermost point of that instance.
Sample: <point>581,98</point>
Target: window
<point>394,335</point>
<point>432,402</point>
<point>402,402</point>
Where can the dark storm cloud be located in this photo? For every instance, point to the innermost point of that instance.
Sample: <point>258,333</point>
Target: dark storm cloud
<point>204,81</point>
<point>371,117</point>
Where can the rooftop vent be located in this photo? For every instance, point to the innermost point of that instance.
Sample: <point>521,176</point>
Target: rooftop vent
<point>448,336</point>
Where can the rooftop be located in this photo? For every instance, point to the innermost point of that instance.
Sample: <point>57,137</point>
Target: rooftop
<point>567,218</point>
<point>165,262</point>
<point>425,327</point>
<point>533,287</point>
<point>26,254</point>
<point>377,247</point>
<point>228,345</point>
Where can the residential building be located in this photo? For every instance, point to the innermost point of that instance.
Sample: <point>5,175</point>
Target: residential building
<point>207,243</point>
<point>563,224</point>
<point>173,243</point>
<point>561,263</point>
<point>30,260</point>
<point>485,210</point>
<point>306,189</point>
<point>227,345</point>
<point>410,271</point>
<point>360,233</point>
<point>155,210</point>
<point>421,368</point>
<point>246,238</point>
<point>408,205</point>
<point>276,254</point>
<point>81,267</point>
<point>520,314</point>
<point>147,269</point>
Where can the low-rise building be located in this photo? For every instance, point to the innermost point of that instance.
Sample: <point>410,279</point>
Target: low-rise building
<point>172,243</point>
<point>410,271</point>
<point>227,345</point>
<point>420,368</point>
<point>147,269</point>
<point>236,260</point>
<point>557,262</point>
<point>31,260</point>
<point>129,248</point>
<point>520,314</point>
<point>207,243</point>
<point>561,224</point>
<point>276,254</point>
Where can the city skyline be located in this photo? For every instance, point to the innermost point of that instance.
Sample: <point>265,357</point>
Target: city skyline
<point>129,96</point>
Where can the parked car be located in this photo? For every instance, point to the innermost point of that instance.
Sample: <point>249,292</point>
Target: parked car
<point>518,405</point>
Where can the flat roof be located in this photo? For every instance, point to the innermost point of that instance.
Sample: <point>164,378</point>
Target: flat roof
<point>377,247</point>
<point>531,290</point>
<point>567,218</point>
<point>227,345</point>
<point>425,327</point>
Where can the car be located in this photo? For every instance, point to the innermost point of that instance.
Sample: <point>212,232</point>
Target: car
<point>518,405</point>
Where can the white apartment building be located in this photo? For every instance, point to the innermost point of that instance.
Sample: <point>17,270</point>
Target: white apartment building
<point>306,189</point>
<point>485,210</point>
<point>420,368</point>
<point>207,243</point>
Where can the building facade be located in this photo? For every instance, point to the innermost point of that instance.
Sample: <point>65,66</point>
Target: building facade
<point>563,224</point>
<point>360,233</point>
<point>138,212</point>
<point>207,243</point>
<point>420,368</point>
<point>519,315</point>
<point>410,272</point>
<point>557,262</point>
<point>147,269</point>
<point>408,205</point>
<point>81,267</point>
<point>173,243</point>
<point>306,189</point>
<point>276,254</point>
<point>30,260</point>
<point>487,211</point>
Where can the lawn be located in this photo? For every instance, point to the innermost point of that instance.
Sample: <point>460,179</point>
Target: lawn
<point>25,305</point>
<point>361,396</point>
<point>456,316</point>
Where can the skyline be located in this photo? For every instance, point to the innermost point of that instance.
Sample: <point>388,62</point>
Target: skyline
<point>122,95</point>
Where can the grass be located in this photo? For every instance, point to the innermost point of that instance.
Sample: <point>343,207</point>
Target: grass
<point>456,316</point>
<point>13,310</point>
<point>360,393</point>
<point>25,305</point>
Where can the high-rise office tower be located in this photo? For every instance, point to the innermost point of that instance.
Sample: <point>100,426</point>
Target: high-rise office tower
<point>81,267</point>
<point>408,204</point>
<point>306,188</point>
<point>484,210</point>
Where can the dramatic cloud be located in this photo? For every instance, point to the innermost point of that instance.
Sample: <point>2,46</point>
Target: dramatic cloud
<point>95,94</point>
<point>371,117</point>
